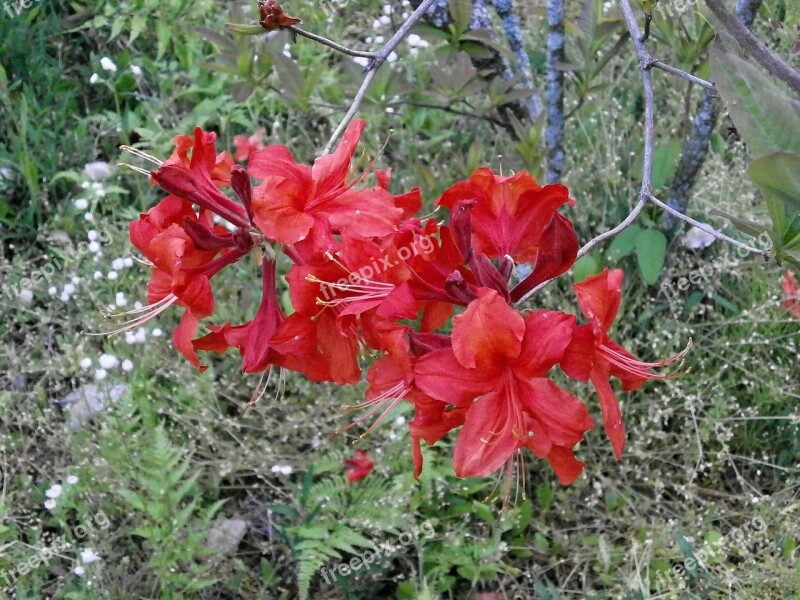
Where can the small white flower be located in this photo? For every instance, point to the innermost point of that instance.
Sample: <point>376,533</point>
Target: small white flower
<point>118,264</point>
<point>137,305</point>
<point>88,217</point>
<point>157,332</point>
<point>99,374</point>
<point>49,504</point>
<point>697,239</point>
<point>127,262</point>
<point>81,203</point>
<point>25,296</point>
<point>112,275</point>
<point>92,235</point>
<point>53,492</point>
<point>98,275</point>
<point>400,421</point>
<point>376,24</point>
<point>387,10</point>
<point>361,60</point>
<point>94,246</point>
<point>392,57</point>
<point>141,335</point>
<point>88,556</point>
<point>52,291</point>
<point>389,110</point>
<point>64,297</point>
<point>79,571</point>
<point>108,361</point>
<point>75,280</point>
<point>69,288</point>
<point>72,479</point>
<point>94,78</point>
<point>379,39</point>
<point>282,469</point>
<point>127,365</point>
<point>97,170</point>
<point>384,20</point>
<point>108,65</point>
<point>136,70</point>
<point>120,299</point>
<point>413,51</point>
<point>368,40</point>
<point>85,363</point>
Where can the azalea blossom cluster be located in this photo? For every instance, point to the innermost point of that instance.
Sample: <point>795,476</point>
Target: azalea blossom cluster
<point>442,323</point>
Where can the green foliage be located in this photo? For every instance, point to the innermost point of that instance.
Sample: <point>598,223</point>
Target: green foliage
<point>769,121</point>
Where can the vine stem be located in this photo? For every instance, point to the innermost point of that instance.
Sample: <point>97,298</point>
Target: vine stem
<point>372,68</point>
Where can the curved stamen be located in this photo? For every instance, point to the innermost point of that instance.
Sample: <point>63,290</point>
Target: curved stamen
<point>152,310</point>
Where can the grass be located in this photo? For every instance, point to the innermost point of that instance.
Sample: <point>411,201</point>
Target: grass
<point>710,452</point>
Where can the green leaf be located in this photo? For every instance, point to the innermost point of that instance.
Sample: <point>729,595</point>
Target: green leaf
<point>651,249</point>
<point>586,266</point>
<point>623,244</point>
<point>766,117</point>
<point>665,159</point>
<point>778,175</point>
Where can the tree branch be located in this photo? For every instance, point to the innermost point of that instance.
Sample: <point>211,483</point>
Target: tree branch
<point>755,47</point>
<point>554,131</point>
<point>372,69</point>
<point>695,148</point>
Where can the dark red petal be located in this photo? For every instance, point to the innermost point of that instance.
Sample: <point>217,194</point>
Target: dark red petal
<point>557,250</point>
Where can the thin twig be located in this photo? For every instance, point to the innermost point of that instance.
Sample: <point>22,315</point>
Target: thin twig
<point>330,43</point>
<point>372,69</point>
<point>755,47</point>
<point>707,228</point>
<point>687,76</point>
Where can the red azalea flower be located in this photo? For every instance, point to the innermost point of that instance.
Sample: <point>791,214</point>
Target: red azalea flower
<point>358,467</point>
<point>792,292</point>
<point>509,214</point>
<point>496,370</point>
<point>592,355</point>
<point>245,146</point>
<point>297,204</point>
